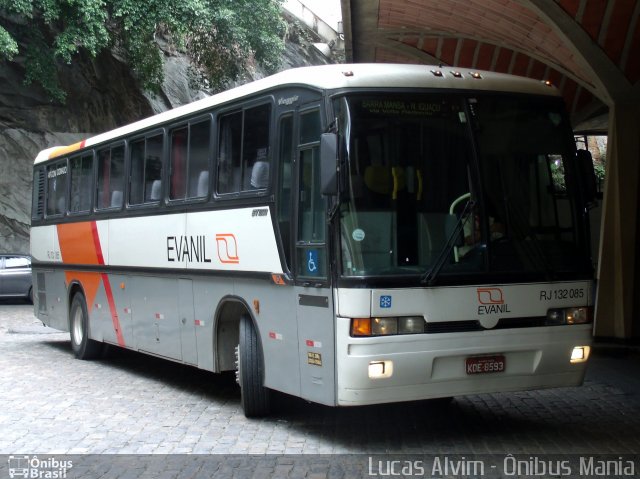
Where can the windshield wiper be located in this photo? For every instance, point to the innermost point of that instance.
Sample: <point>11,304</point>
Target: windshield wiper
<point>430,276</point>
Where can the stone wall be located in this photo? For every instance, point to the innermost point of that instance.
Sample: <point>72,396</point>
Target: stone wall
<point>101,95</point>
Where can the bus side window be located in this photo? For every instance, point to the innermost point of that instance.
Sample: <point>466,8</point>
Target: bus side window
<point>189,159</point>
<point>178,170</point>
<point>81,181</point>
<point>229,153</point>
<point>243,150</point>
<point>146,170</point>
<point>255,148</point>
<point>110,177</point>
<point>57,188</point>
<point>198,169</point>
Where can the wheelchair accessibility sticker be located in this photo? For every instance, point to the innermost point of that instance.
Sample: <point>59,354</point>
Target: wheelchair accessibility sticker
<point>312,262</point>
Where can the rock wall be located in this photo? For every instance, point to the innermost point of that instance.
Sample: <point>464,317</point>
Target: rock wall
<point>101,95</point>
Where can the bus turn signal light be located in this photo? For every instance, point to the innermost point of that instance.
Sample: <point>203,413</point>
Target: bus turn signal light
<point>361,327</point>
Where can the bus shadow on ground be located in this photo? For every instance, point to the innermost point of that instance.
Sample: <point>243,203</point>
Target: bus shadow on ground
<point>503,423</point>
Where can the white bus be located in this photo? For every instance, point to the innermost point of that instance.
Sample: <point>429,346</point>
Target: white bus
<point>347,234</point>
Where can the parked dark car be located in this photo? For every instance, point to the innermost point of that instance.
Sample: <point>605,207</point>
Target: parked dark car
<point>15,276</point>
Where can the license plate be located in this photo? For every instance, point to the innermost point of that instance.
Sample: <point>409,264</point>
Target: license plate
<point>485,364</point>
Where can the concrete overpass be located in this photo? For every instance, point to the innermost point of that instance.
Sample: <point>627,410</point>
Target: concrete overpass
<point>590,49</point>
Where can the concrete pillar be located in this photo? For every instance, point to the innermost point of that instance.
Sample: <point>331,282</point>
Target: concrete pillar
<point>618,298</point>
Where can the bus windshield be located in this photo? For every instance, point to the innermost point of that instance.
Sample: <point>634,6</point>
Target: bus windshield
<point>467,185</point>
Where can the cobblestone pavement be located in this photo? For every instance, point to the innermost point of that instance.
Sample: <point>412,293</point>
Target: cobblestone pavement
<point>127,403</point>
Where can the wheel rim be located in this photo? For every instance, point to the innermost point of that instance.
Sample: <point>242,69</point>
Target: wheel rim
<point>78,332</point>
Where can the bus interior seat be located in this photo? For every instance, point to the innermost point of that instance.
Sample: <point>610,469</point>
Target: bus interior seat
<point>203,184</point>
<point>116,199</point>
<point>154,191</point>
<point>377,178</point>
<point>260,175</point>
<point>384,182</point>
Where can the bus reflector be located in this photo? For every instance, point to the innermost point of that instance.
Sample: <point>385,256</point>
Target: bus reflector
<point>361,327</point>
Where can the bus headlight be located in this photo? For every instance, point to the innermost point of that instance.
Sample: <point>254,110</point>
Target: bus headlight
<point>577,315</point>
<point>411,325</point>
<point>387,326</point>
<point>560,316</point>
<point>384,326</point>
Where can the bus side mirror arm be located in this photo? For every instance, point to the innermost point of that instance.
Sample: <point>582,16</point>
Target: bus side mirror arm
<point>329,164</point>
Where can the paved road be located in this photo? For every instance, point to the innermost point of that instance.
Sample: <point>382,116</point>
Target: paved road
<point>127,403</point>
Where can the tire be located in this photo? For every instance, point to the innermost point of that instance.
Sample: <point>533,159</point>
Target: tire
<point>82,346</point>
<point>30,295</point>
<point>254,397</point>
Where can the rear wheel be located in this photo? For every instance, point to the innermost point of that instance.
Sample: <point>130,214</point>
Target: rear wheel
<point>30,295</point>
<point>83,347</point>
<point>254,397</point>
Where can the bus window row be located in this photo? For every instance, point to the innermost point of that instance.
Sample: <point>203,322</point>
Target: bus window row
<point>174,164</point>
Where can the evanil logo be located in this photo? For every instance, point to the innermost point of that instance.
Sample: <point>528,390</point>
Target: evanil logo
<point>491,301</point>
<point>34,468</point>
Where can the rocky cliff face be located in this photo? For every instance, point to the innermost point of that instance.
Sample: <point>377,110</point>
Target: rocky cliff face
<point>101,95</point>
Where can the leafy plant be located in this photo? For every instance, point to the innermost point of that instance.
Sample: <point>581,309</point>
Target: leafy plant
<point>222,37</point>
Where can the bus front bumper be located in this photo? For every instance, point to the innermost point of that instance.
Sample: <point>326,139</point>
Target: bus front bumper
<point>424,366</point>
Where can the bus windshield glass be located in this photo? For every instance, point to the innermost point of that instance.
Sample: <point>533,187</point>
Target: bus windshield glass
<point>465,185</point>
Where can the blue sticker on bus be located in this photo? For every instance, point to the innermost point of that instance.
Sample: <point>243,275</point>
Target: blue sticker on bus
<point>385,301</point>
<point>312,262</point>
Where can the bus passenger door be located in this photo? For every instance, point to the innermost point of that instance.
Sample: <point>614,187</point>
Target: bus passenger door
<point>187,324</point>
<point>314,301</point>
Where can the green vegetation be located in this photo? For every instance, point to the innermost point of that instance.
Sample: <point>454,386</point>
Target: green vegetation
<point>221,37</point>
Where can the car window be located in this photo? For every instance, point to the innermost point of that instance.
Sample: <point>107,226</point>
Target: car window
<point>17,263</point>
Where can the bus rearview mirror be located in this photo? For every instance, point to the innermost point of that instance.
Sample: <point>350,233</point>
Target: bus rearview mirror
<point>587,175</point>
<point>329,164</point>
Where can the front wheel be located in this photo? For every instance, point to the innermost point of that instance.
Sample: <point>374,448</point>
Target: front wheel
<point>83,347</point>
<point>254,397</point>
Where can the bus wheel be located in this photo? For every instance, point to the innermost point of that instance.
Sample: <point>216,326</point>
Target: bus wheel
<point>83,347</point>
<point>254,397</point>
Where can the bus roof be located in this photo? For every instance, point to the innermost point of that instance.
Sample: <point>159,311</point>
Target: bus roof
<point>331,77</point>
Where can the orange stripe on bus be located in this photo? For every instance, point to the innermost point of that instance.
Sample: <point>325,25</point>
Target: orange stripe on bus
<point>63,150</point>
<point>80,244</point>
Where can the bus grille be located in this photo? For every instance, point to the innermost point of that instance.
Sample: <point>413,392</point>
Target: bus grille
<point>474,325</point>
